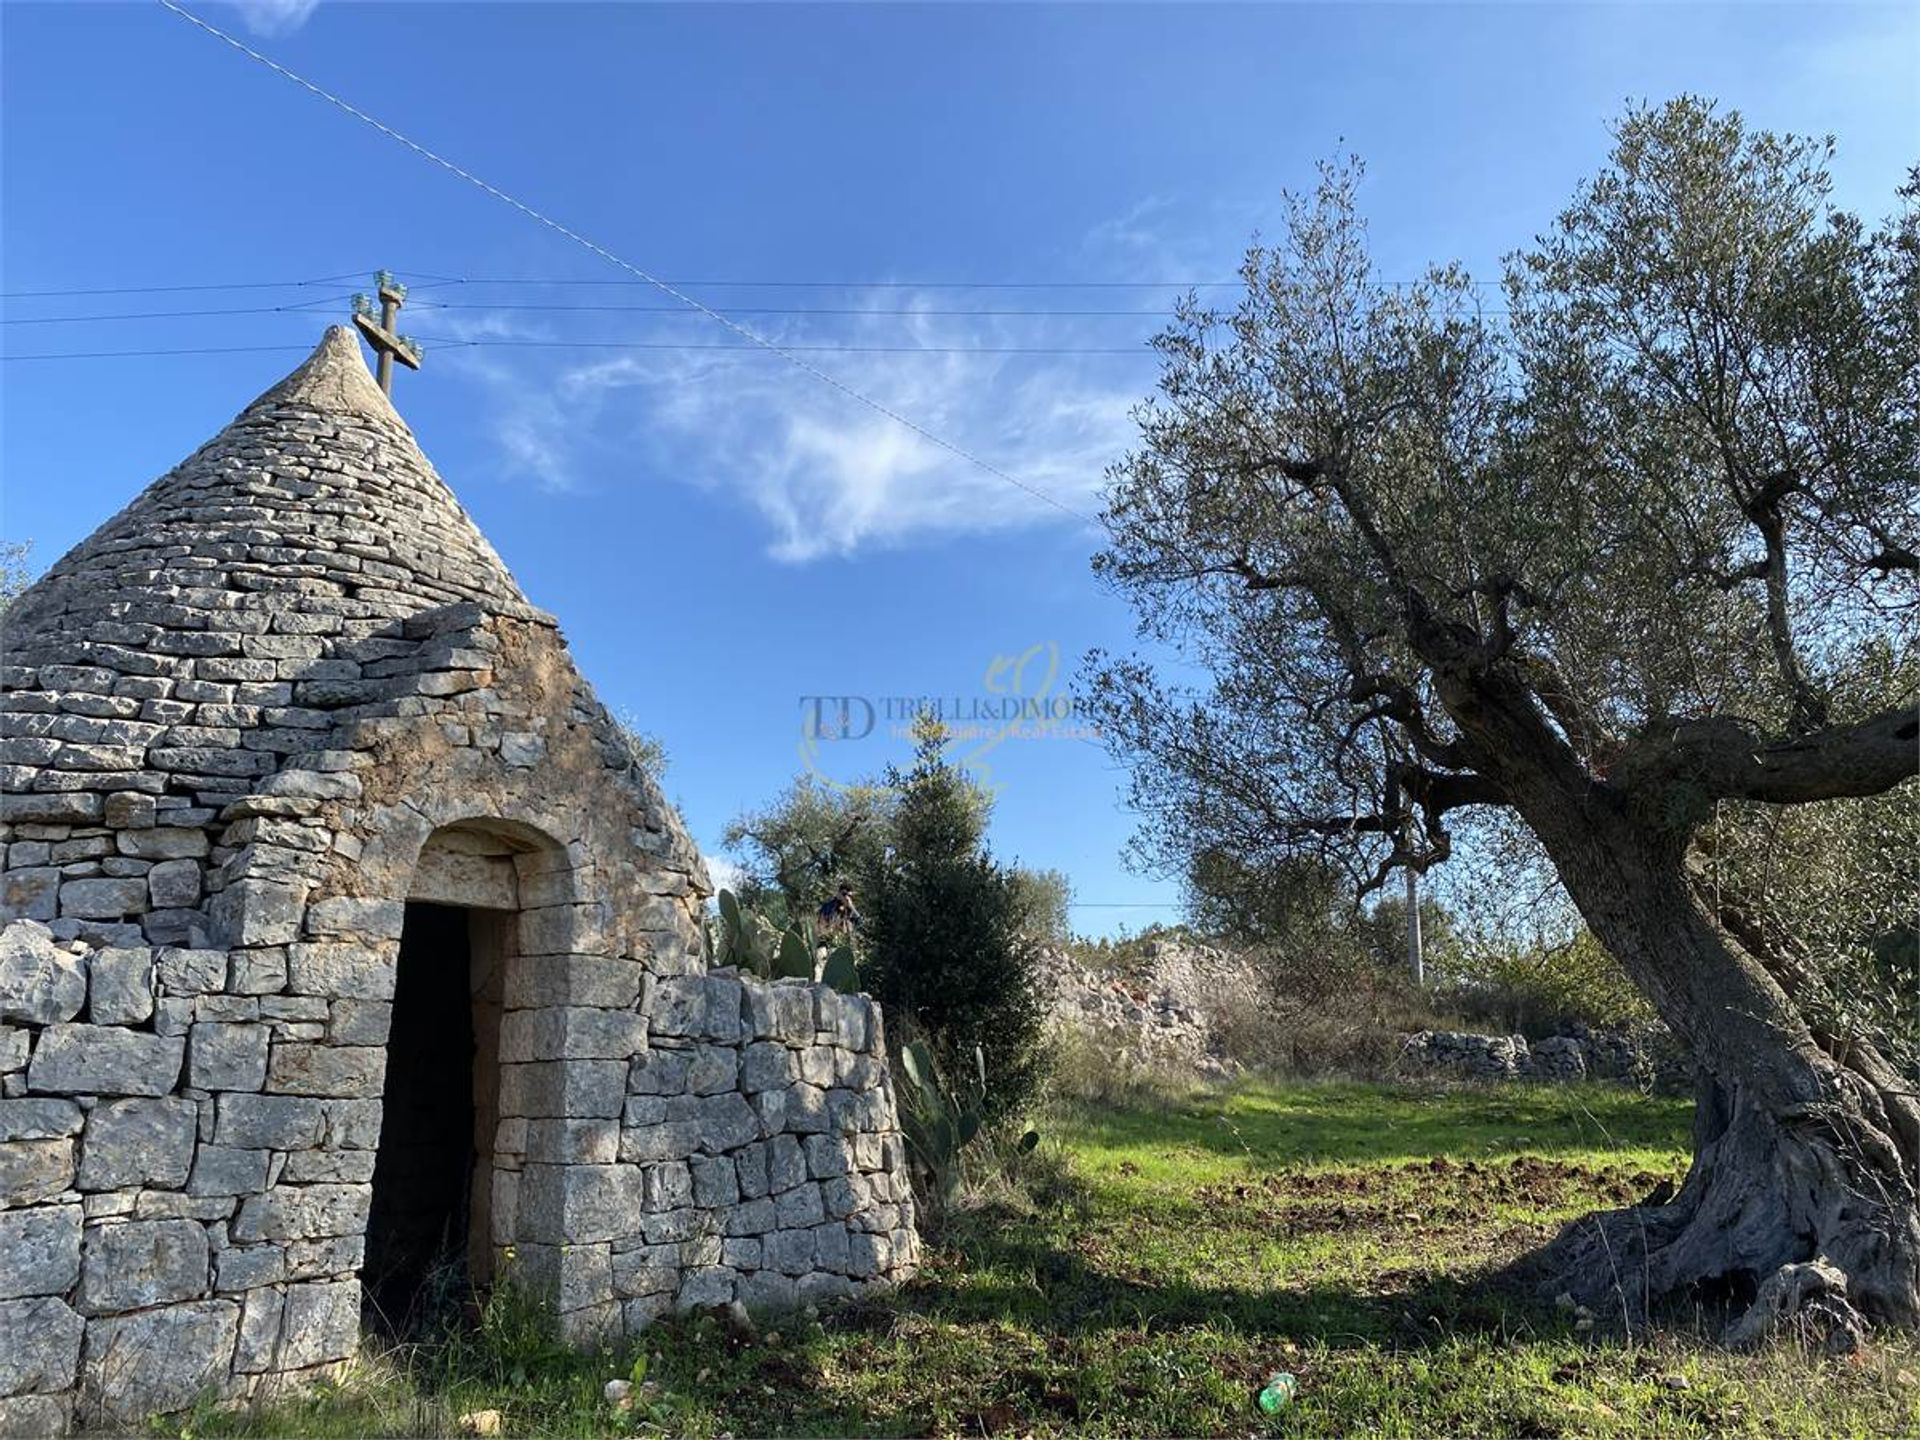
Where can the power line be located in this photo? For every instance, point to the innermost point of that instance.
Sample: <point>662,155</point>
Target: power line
<point>671,291</point>
<point>1137,314</point>
<point>304,307</point>
<point>132,354</point>
<point>450,342</point>
<point>174,289</point>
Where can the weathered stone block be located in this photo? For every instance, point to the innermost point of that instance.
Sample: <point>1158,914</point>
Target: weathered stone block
<point>39,1119</point>
<point>359,972</point>
<point>726,1122</point>
<point>660,1072</point>
<point>190,972</point>
<point>646,1270</point>
<point>34,1417</point>
<point>40,982</point>
<point>800,1206</point>
<point>680,1006</point>
<point>129,1265</point>
<point>30,894</point>
<point>106,899</point>
<point>750,1169</point>
<point>751,1217</point>
<point>573,1142</point>
<point>34,1170</point>
<point>39,1251</point>
<point>359,1022</point>
<point>578,1204</point>
<point>826,1155</point>
<point>260,1315</point>
<point>167,843</point>
<point>571,1033</point>
<point>138,1142</point>
<point>806,1110</point>
<point>575,980</point>
<point>227,1057</point>
<point>329,1167</point>
<point>830,1247</point>
<point>658,1140</point>
<point>791,1252</point>
<point>767,1292</point>
<point>716,1183</point>
<point>42,1348</point>
<point>249,1266</point>
<point>713,1069</point>
<point>345,1071</point>
<point>158,1360</point>
<point>822,1285</point>
<point>302,1212</point>
<point>765,1065</point>
<point>710,1285</point>
<point>322,1324</point>
<point>225,1170</point>
<point>260,912</point>
<point>867,1255</point>
<point>567,1277</point>
<point>352,918</point>
<point>588,1089</point>
<point>122,986</point>
<point>104,1060</point>
<point>270,1122</point>
<point>786,1163</point>
<point>782,1011</point>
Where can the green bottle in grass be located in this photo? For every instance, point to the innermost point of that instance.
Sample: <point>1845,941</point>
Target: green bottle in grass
<point>1279,1392</point>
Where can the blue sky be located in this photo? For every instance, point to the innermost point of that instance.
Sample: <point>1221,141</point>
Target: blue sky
<point>720,534</point>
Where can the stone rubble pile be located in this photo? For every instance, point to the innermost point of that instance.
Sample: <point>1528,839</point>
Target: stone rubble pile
<point>1585,1055</point>
<point>1162,1010</point>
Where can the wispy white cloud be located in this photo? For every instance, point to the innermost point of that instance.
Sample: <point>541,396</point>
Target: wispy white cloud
<point>825,474</point>
<point>275,17</point>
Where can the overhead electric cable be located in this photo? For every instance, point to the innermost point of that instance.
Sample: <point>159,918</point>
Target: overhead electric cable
<point>745,333</point>
<point>131,354</point>
<point>449,342</point>
<point>170,289</point>
<point>302,308</point>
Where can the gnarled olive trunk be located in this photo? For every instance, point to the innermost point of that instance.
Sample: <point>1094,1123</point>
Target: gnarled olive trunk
<point>1801,1199</point>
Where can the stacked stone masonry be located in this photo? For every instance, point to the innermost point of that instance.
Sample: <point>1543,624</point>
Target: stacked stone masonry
<point>284,695</point>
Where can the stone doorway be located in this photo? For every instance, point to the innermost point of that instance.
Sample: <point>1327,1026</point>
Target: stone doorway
<point>432,1157</point>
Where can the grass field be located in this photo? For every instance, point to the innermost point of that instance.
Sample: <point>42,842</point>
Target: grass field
<point>1162,1261</point>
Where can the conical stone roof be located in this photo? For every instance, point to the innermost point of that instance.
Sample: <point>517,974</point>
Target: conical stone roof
<point>313,513</point>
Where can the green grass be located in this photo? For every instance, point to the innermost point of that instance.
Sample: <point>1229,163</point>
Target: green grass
<point>1173,1255</point>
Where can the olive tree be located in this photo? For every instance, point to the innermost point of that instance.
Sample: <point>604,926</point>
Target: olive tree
<point>1632,549</point>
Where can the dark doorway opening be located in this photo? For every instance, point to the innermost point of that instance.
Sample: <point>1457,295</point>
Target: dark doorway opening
<point>416,1268</point>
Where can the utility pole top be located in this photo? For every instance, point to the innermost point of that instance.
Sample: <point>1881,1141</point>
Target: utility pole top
<point>383,334</point>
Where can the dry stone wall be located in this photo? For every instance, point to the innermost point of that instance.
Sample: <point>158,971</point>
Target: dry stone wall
<point>288,693</point>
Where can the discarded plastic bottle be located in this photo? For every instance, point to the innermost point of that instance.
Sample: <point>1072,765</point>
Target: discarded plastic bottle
<point>1279,1392</point>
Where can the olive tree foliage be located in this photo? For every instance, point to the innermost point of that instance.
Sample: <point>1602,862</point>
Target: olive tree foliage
<point>1636,552</point>
<point>796,851</point>
<point>14,570</point>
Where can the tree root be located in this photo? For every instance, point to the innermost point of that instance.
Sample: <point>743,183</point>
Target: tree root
<point>1796,1224</point>
<point>1807,1300</point>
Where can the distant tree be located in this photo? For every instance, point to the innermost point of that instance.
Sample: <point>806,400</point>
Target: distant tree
<point>15,572</point>
<point>648,750</point>
<point>797,851</point>
<point>1044,899</point>
<point>944,948</point>
<point>1619,563</point>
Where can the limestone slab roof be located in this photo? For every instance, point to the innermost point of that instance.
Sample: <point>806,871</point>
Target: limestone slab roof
<point>316,501</point>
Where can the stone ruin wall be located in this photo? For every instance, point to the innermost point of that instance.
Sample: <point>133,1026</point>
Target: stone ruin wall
<point>284,693</point>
